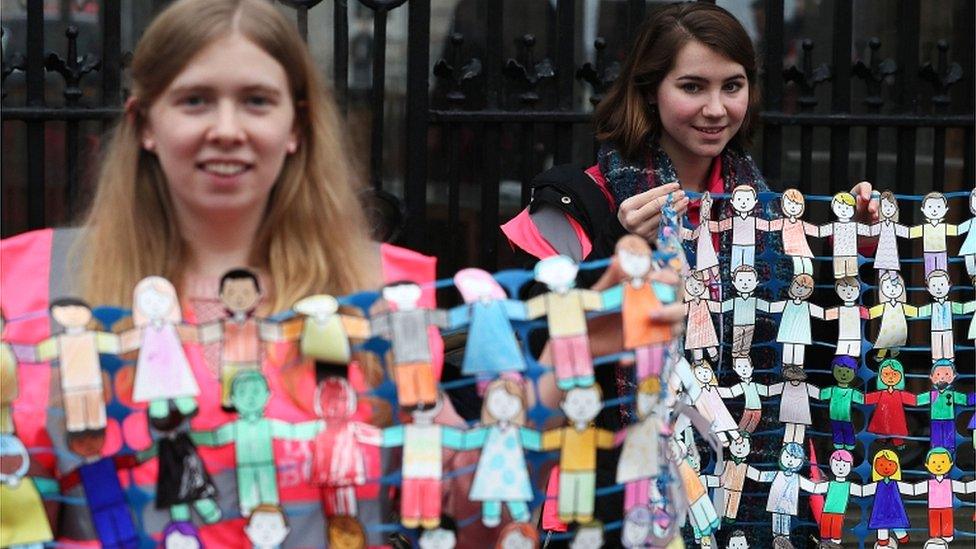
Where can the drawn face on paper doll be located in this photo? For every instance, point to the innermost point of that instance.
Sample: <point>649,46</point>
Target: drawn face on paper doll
<point>694,286</point>
<point>518,535</point>
<point>442,537</point>
<point>890,375</point>
<point>335,399</point>
<point>972,201</point>
<point>240,291</point>
<point>181,535</point>
<point>938,283</point>
<point>943,373</point>
<point>793,203</point>
<point>635,265</point>
<point>889,206</point>
<point>267,526</point>
<point>794,376</point>
<point>742,366</point>
<point>88,444</point>
<point>704,373</point>
<point>738,540</point>
<point>934,206</point>
<point>319,307</point>
<point>891,285</point>
<point>740,447</point>
<point>249,392</point>
<point>557,272</point>
<point>801,287</point>
<point>844,370</point>
<point>848,289</point>
<point>938,461</point>
<point>843,205</point>
<point>791,457</point>
<point>745,279</point>
<point>636,528</point>
<point>70,312</point>
<point>743,198</point>
<point>885,464</point>
<point>582,404</point>
<point>841,462</point>
<point>500,403</point>
<point>346,533</point>
<point>648,395</point>
<point>404,295</point>
<point>477,285</point>
<point>154,299</point>
<point>705,206</point>
<point>588,536</point>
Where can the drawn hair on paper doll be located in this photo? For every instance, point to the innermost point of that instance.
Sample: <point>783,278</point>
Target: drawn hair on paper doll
<point>972,201</point>
<point>889,368</point>
<point>793,203</point>
<point>518,535</point>
<point>702,369</point>
<point>938,451</point>
<point>889,206</point>
<point>795,451</point>
<point>705,206</point>
<point>648,390</point>
<point>801,287</point>
<point>476,284</point>
<point>335,399</point>
<point>891,281</point>
<point>842,455</point>
<point>934,195</point>
<point>745,269</point>
<point>179,534</point>
<point>266,526</point>
<point>885,465</point>
<point>845,198</point>
<point>346,533</point>
<point>695,284</point>
<point>935,274</point>
<point>154,298</point>
<point>503,393</point>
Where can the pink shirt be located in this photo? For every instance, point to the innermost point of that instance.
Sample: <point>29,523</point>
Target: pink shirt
<point>940,493</point>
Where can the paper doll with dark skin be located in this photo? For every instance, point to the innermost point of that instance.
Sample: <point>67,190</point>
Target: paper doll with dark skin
<point>706,260</point>
<point>639,463</point>
<point>888,511</point>
<point>8,384</point>
<point>893,332</point>
<point>941,311</point>
<point>745,279</point>
<point>848,316</point>
<point>888,231</point>
<point>749,390</point>
<point>794,231</point>
<point>934,231</point>
<point>743,225</point>
<point>942,401</point>
<point>700,333</point>
<point>266,527</point>
<point>406,328</point>
<point>565,309</point>
<point>940,489</point>
<point>345,532</point>
<point>77,349</point>
<point>794,405</point>
<point>710,405</point>
<point>163,373</point>
<point>890,399</point>
<point>252,435</point>
<point>23,519</point>
<point>967,250</point>
<point>325,331</point>
<point>731,479</point>
<point>794,327</point>
<point>784,490</point>
<point>841,397</point>
<point>845,232</point>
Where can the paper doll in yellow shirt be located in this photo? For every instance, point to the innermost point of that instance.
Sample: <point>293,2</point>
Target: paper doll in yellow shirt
<point>578,443</point>
<point>934,232</point>
<point>565,308</point>
<point>326,332</point>
<point>893,333</point>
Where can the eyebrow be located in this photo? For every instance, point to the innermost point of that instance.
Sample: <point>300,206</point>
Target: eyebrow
<point>263,88</point>
<point>697,78</point>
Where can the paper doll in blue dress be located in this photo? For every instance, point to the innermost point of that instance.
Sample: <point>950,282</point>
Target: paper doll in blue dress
<point>501,476</point>
<point>794,327</point>
<point>492,348</point>
<point>888,512</point>
<point>968,227</point>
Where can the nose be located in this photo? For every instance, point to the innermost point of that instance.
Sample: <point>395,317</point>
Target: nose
<point>714,108</point>
<point>226,128</point>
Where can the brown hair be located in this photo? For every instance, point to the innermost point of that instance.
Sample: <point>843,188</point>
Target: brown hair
<point>523,528</point>
<point>511,387</point>
<point>349,526</point>
<point>625,117</point>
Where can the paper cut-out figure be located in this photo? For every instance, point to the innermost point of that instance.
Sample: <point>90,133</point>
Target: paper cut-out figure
<point>639,465</point>
<point>8,384</point>
<point>406,329</point>
<point>968,227</point>
<point>252,435</point>
<point>784,492</point>
<point>77,349</point>
<point>518,535</point>
<point>940,489</point>
<point>182,479</point>
<point>731,479</point>
<point>845,232</point>
<point>565,309</point>
<point>701,512</point>
<point>181,535</point>
<point>706,260</point>
<point>743,225</point>
<point>339,465</point>
<point>738,540</point>
<point>750,390</point>
<point>266,527</point>
<point>888,512</point>
<point>502,476</point>
<point>848,316</point>
<point>345,532</point>
<point>745,279</point>
<point>934,232</point>
<point>491,348</point>
<point>326,332</point>
<point>841,397</point>
<point>636,528</point>
<point>838,494</point>
<point>443,536</point>
<point>794,327</point>
<point>700,333</point>
<point>423,464</point>
<point>710,405</point>
<point>893,333</point>
<point>163,372</point>
<point>890,399</point>
<point>941,311</point>
<point>23,520</point>
<point>794,231</point>
<point>888,231</point>
<point>637,298</point>
<point>794,405</point>
<point>942,401</point>
<point>577,444</point>
<point>588,536</point>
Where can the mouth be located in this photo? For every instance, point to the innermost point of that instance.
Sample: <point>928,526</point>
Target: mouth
<point>710,130</point>
<point>224,169</point>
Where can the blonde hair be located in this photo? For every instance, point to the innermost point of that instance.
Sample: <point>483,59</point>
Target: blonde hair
<point>890,456</point>
<point>313,235</point>
<point>633,245</point>
<point>511,387</point>
<point>713,380</point>
<point>797,197</point>
<point>846,199</point>
<point>159,285</point>
<point>802,279</point>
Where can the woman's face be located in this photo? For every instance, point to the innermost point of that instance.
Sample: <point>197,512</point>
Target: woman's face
<point>222,129</point>
<point>702,102</point>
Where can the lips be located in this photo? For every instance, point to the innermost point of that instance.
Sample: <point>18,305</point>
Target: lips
<point>714,130</point>
<point>224,168</point>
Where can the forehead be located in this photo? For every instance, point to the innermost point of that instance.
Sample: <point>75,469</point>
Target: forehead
<point>698,60</point>
<point>232,61</point>
<point>239,284</point>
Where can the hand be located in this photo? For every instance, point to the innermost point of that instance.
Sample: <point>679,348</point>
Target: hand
<point>641,213</point>
<point>867,209</point>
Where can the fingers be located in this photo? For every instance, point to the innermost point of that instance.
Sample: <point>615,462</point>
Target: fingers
<point>867,208</point>
<point>640,199</point>
<point>644,221</point>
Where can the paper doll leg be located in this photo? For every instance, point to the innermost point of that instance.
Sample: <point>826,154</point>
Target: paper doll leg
<point>519,511</point>
<point>738,257</point>
<point>931,260</point>
<point>750,420</point>
<point>585,495</point>
<point>830,526</point>
<point>649,361</point>
<point>802,265</point>
<point>636,493</point>
<point>95,408</point>
<point>943,434</point>
<point>781,524</point>
<point>248,493</point>
<point>562,362</point>
<point>742,340</point>
<point>74,412</point>
<point>406,384</point>
<point>491,513</point>
<point>970,265</point>
<point>208,510</point>
<point>179,512</point>
<point>848,347</point>
<point>749,255</point>
<point>582,361</point>
<point>426,384</point>
<point>732,500</point>
<point>410,494</point>
<point>185,404</point>
<point>267,477</point>
<point>430,502</point>
<point>566,499</point>
<point>942,345</point>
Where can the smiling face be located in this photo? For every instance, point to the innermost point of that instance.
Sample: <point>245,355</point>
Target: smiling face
<point>694,287</point>
<point>634,265</point>
<point>743,199</point>
<point>250,394</point>
<point>742,367</point>
<point>791,207</point>
<point>847,291</point>
<point>891,287</point>
<point>841,210</point>
<point>703,374</point>
<point>702,102</point>
<point>885,467</point>
<point>581,404</point>
<point>789,462</point>
<point>938,284</point>
<point>745,281</point>
<point>222,130</point>
<point>890,376</point>
<point>740,447</point>
<point>840,468</point>
<point>266,529</point>
<point>154,304</point>
<point>888,209</point>
<point>938,463</point>
<point>943,376</point>
<point>801,287</point>
<point>239,295</point>
<point>738,541</point>
<point>935,208</point>
<point>843,375</point>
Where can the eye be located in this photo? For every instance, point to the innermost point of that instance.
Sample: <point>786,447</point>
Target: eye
<point>690,87</point>
<point>192,101</point>
<point>259,100</point>
<point>732,87</point>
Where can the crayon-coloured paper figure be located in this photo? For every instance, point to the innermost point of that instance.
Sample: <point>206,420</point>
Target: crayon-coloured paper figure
<point>502,477</point>
<point>738,540</point>
<point>730,481</point>
<point>422,470</point>
<point>888,231</point>
<point>893,333</point>
<point>794,231</point>
<point>577,444</point>
<point>325,331</point>
<point>266,527</point>
<point>848,316</point>
<point>565,309</point>
<point>845,232</point>
<point>743,225</point>
<point>934,232</point>
<point>406,329</point>
<point>784,490</point>
<point>794,405</point>
<point>838,495</point>
<point>749,390</point>
<point>518,535</point>
<point>968,227</point>
<point>8,384</point>
<point>890,399</point>
<point>345,532</point>
<point>163,373</point>
<point>940,489</point>
<point>253,435</point>
<point>745,279</point>
<point>706,260</point>
<point>941,312</point>
<point>639,462</point>
<point>23,520</point>
<point>77,349</point>
<point>180,534</point>
<point>942,401</point>
<point>794,327</point>
<point>710,405</point>
<point>701,512</point>
<point>700,333</point>
<point>588,536</point>
<point>841,397</point>
<point>888,511</point>
<point>492,348</point>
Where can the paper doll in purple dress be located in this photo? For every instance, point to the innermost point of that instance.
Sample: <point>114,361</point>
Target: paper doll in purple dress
<point>968,227</point>
<point>888,231</point>
<point>700,330</point>
<point>706,260</point>
<point>794,231</point>
<point>163,372</point>
<point>888,512</point>
<point>794,326</point>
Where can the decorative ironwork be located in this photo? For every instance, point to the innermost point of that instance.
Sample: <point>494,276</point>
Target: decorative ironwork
<point>809,78</point>
<point>17,63</point>
<point>457,76</point>
<point>942,76</point>
<point>74,68</point>
<point>529,75</point>
<point>599,75</point>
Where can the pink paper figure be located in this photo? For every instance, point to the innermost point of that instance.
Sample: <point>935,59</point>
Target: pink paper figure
<point>888,419</point>
<point>749,390</point>
<point>794,231</point>
<point>794,405</point>
<point>710,405</point>
<point>941,312</point>
<point>934,232</point>
<point>893,333</point>
<point>706,260</point>
<point>700,333</point>
<point>888,231</point>
<point>743,225</point>
<point>848,316</point>
<point>940,489</point>
<point>968,227</point>
<point>745,279</point>
<point>794,326</point>
<point>845,232</point>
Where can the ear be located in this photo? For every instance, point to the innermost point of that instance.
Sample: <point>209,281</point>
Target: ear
<point>133,111</point>
<point>295,138</point>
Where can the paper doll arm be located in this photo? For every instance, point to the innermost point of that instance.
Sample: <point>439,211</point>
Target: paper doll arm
<point>604,439</point>
<point>130,340</point>
<point>356,327</point>
<point>969,307</point>
<point>664,292</point>
<point>874,396</point>
<point>721,226</point>
<point>552,439</point>
<point>922,399</point>
<point>909,489</point>
<point>439,318</point>
<point>907,398</point>
<point>688,234</point>
<point>535,307</point>
<point>715,306</point>
<point>380,325</point>
<point>776,307</point>
<point>366,433</point>
<point>960,487</point>
<point>762,225</point>
<point>832,313</point>
<point>808,485</point>
<point>910,310</point>
<point>818,487</point>
<point>874,230</point>
<point>825,393</point>
<point>857,490</point>
<point>957,308</point>
<point>816,311</point>
<point>876,311</point>
<point>459,316</point>
<point>726,306</point>
<point>952,230</point>
<point>729,392</point>
<point>827,229</point>
<point>108,343</point>
<point>210,333</point>
<point>218,437</point>
<point>306,430</point>
<point>901,231</point>
<point>776,224</point>
<point>915,232</point>
<point>613,297</point>
<point>592,300</point>
<point>286,330</point>
<point>813,391</point>
<point>925,311</point>
<point>145,455</point>
<point>515,309</point>
<point>759,476</point>
<point>392,436</point>
<point>964,227</point>
<point>44,351</point>
<point>868,490</point>
<point>772,390</point>
<point>452,438</point>
<point>711,481</point>
<point>531,439</point>
<point>865,230</point>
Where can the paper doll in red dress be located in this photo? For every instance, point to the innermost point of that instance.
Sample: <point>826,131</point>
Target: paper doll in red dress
<point>794,231</point>
<point>700,333</point>
<point>890,399</point>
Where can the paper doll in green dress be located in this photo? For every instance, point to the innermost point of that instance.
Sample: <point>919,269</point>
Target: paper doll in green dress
<point>253,435</point>
<point>794,326</point>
